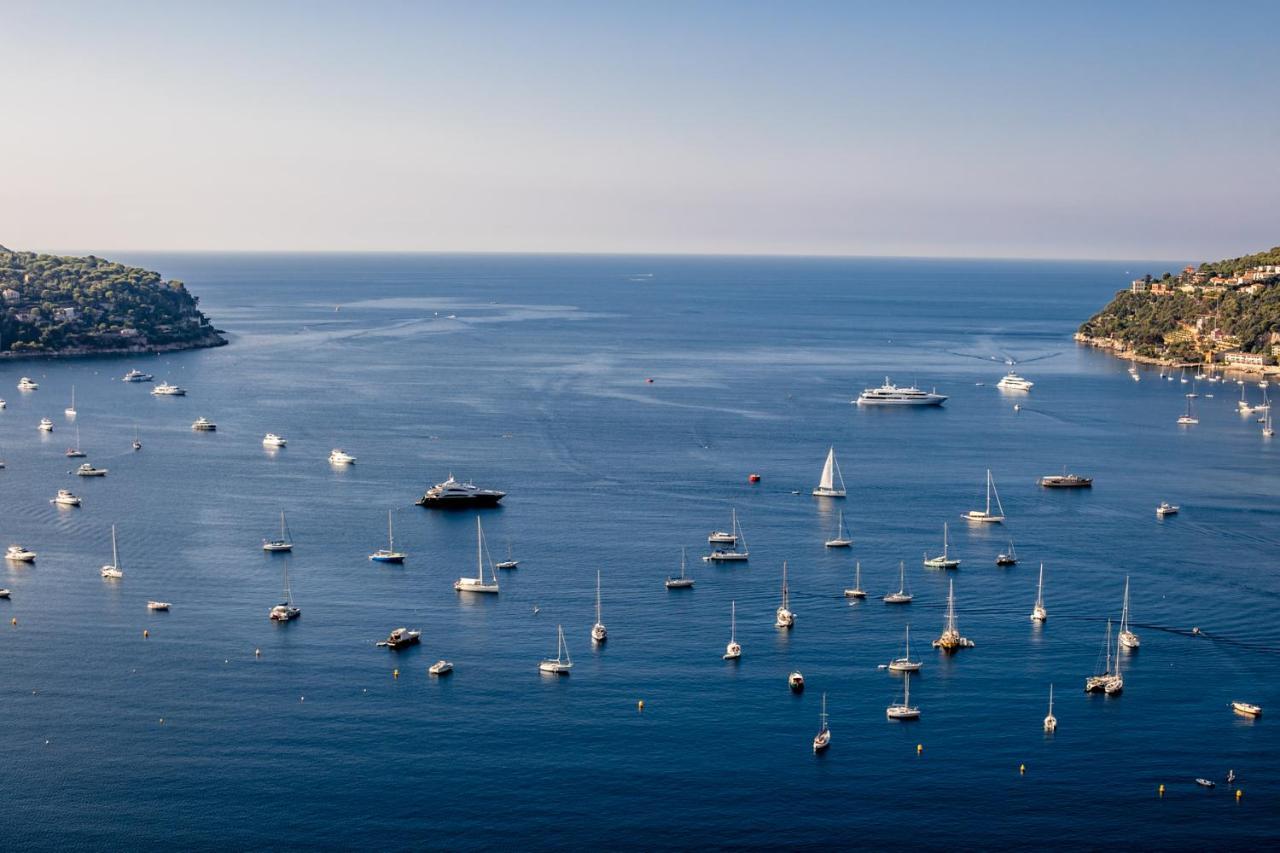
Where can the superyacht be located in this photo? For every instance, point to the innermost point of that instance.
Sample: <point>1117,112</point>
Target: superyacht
<point>889,394</point>
<point>452,493</point>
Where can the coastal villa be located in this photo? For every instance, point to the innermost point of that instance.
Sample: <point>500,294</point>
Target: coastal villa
<point>1251,359</point>
<point>1140,285</point>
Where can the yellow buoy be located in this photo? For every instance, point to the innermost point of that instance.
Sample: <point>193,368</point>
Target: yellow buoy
<point>1239,793</point>
<point>1162,789</point>
<point>1022,768</point>
<point>395,673</point>
<point>13,621</point>
<point>145,633</point>
<point>640,705</point>
<point>919,748</point>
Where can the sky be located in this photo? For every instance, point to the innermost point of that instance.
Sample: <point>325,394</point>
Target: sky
<point>978,129</point>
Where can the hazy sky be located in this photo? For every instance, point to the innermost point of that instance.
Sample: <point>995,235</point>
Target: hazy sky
<point>1110,129</point>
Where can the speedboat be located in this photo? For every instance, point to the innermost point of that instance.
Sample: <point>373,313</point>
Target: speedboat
<point>158,605</point>
<point>889,394</point>
<point>400,638</point>
<point>338,456</point>
<point>26,384</point>
<point>164,389</point>
<point>19,554</point>
<point>1245,708</point>
<point>1206,783</point>
<point>203,424</point>
<point>4,593</point>
<point>46,425</point>
<point>87,470</point>
<point>1166,508</point>
<point>440,667</point>
<point>1013,382</point>
<point>796,682</point>
<point>66,498</point>
<point>3,404</point>
<point>136,375</point>
<point>273,440</point>
<point>454,494</point>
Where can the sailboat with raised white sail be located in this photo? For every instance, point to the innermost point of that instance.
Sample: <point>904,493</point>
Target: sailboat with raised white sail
<point>1126,637</point>
<point>733,651</point>
<point>284,543</point>
<point>388,554</point>
<point>986,516</point>
<point>830,476</point>
<point>905,663</point>
<point>478,583</point>
<point>856,591</point>
<point>598,632</point>
<point>112,570</point>
<point>785,618</point>
<point>943,560</point>
<point>1038,613</point>
<point>682,582</point>
<point>842,539</point>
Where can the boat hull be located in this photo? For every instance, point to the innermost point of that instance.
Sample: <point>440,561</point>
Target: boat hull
<point>468,502</point>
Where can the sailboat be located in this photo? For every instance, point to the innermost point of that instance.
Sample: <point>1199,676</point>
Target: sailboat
<point>822,739</point>
<point>830,473</point>
<point>1126,638</point>
<point>510,562</point>
<point>943,560</point>
<point>285,610</point>
<point>733,651</point>
<point>987,516</point>
<point>1189,418</point>
<point>737,550</point>
<point>857,591</point>
<point>785,618</point>
<point>598,632</point>
<point>951,639</point>
<point>1050,721</point>
<point>562,663</point>
<point>904,710</point>
<point>842,538</point>
<point>388,554</point>
<point>682,582</point>
<point>70,411</point>
<point>1115,684</point>
<point>1038,613</point>
<point>76,452</point>
<point>1267,430</point>
<point>905,663</point>
<point>112,570</point>
<point>137,442</point>
<point>477,583</point>
<point>901,596</point>
<point>284,543</point>
<point>1098,681</point>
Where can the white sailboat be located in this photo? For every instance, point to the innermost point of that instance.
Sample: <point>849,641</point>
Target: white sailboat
<point>785,618</point>
<point>477,583</point>
<point>987,516</point>
<point>1038,613</point>
<point>682,582</point>
<point>822,739</point>
<point>943,560</point>
<point>509,563</point>
<point>70,411</point>
<point>112,570</point>
<point>951,639</point>
<point>284,543</point>
<point>904,710</point>
<point>830,474</point>
<point>905,663</point>
<point>1267,430</point>
<point>388,554</point>
<point>737,550</point>
<point>1126,638</point>
<point>733,651</point>
<point>562,663</point>
<point>598,632</point>
<point>285,610</point>
<point>842,538</point>
<point>901,596</point>
<point>1189,419</point>
<point>76,452</point>
<point>857,591</point>
<point>1115,684</point>
<point>1050,721</point>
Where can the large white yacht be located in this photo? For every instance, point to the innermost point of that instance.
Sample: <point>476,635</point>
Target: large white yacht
<point>273,440</point>
<point>452,493</point>
<point>26,384</point>
<point>1014,382</point>
<point>889,394</point>
<point>203,424</point>
<point>66,498</point>
<point>46,425</point>
<point>19,554</point>
<point>164,389</point>
<point>136,375</point>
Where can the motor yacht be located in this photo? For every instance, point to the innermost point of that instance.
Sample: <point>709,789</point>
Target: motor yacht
<point>453,494</point>
<point>66,498</point>
<point>87,470</point>
<point>338,456</point>
<point>440,667</point>
<point>26,384</point>
<point>889,394</point>
<point>1166,508</point>
<point>399,638</point>
<point>1013,382</point>
<point>19,554</point>
<point>796,682</point>
<point>203,424</point>
<point>273,440</point>
<point>1066,481</point>
<point>46,425</point>
<point>164,389</point>
<point>4,593</point>
<point>136,375</point>
<point>158,605</point>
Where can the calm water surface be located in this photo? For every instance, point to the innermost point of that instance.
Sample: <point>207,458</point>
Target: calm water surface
<point>529,374</point>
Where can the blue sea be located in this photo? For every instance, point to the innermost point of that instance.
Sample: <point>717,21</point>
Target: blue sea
<point>530,374</point>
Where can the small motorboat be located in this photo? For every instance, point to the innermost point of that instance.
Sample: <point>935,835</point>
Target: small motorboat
<point>4,593</point>
<point>1196,632</point>
<point>796,682</point>
<point>399,638</point>
<point>273,440</point>
<point>87,470</point>
<point>440,667</point>
<point>337,456</point>
<point>19,554</point>
<point>66,498</point>
<point>1206,783</point>
<point>158,605</point>
<point>203,424</point>
<point>46,425</point>
<point>1247,709</point>
<point>1166,508</point>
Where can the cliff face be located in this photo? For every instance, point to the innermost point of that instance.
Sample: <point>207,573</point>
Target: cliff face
<point>54,305</point>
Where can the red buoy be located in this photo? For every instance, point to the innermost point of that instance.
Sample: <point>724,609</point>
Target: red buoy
<point>754,478</point>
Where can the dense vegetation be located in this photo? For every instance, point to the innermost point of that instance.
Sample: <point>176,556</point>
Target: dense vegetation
<point>1232,266</point>
<point>52,304</point>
